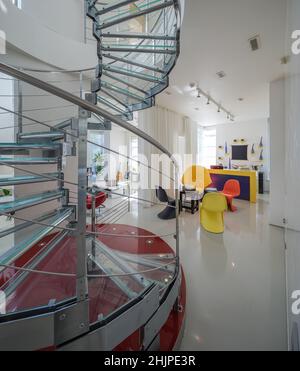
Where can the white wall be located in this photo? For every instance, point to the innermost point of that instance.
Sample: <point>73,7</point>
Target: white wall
<point>118,141</point>
<point>292,174</point>
<point>41,106</point>
<point>65,17</point>
<point>251,131</point>
<point>51,32</point>
<point>6,100</point>
<point>277,139</point>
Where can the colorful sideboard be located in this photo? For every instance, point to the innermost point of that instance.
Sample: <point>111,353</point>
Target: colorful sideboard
<point>247,179</point>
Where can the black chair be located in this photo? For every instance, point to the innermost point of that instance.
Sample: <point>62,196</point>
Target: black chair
<point>170,211</point>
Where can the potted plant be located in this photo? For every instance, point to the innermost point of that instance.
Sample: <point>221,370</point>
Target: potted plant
<point>99,163</point>
<point>5,192</point>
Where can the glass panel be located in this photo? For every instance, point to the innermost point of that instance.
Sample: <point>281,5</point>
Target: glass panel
<point>25,290</point>
<point>131,273</point>
<point>22,203</point>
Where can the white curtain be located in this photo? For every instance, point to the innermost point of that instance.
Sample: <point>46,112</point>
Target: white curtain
<point>163,125</point>
<point>175,132</point>
<point>192,130</point>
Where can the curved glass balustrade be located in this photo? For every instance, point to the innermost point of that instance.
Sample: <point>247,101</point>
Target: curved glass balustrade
<point>56,257</point>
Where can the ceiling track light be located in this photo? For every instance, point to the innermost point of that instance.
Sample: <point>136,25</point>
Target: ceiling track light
<point>220,108</point>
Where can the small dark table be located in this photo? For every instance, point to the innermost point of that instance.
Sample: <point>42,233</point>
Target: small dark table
<point>193,204</point>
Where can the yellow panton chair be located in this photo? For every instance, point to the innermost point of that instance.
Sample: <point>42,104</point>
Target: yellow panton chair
<point>212,212</point>
<point>197,177</point>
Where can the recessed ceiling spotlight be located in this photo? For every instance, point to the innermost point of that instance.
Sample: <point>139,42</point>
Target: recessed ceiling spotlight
<point>285,60</point>
<point>221,74</point>
<point>255,43</point>
<point>241,99</point>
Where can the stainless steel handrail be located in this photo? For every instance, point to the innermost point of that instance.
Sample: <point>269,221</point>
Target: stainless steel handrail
<point>53,71</point>
<point>91,108</point>
<point>63,131</point>
<point>88,233</point>
<point>70,275</point>
<point>84,105</point>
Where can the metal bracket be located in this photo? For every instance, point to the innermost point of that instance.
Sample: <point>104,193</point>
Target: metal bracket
<point>154,325</point>
<point>107,337</point>
<point>68,322</point>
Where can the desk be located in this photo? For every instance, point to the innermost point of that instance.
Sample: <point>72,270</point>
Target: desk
<point>247,179</point>
<point>190,203</point>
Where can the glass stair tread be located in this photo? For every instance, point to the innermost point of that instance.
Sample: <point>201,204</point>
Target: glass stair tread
<point>28,160</point>
<point>112,79</point>
<point>141,10</point>
<point>22,146</point>
<point>42,231</point>
<point>122,91</point>
<point>51,135</point>
<point>160,271</point>
<point>126,284</point>
<point>113,6</point>
<point>138,49</point>
<point>134,74</point>
<point>135,35</point>
<point>106,295</point>
<point>111,105</point>
<point>23,203</point>
<point>27,179</point>
<point>134,63</point>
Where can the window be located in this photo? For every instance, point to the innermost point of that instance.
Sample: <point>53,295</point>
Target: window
<point>134,154</point>
<point>18,3</point>
<point>94,152</point>
<point>207,146</point>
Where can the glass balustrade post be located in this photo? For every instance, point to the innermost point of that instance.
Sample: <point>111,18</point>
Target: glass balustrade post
<point>177,306</point>
<point>81,84</point>
<point>177,215</point>
<point>129,195</point>
<point>165,32</point>
<point>93,216</point>
<point>20,107</point>
<point>85,21</point>
<point>81,282</point>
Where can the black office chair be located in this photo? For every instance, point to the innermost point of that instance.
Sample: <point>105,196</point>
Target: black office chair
<point>170,211</point>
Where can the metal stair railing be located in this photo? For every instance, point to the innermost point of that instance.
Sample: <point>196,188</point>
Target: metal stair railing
<point>133,68</point>
<point>143,59</point>
<point>46,224</point>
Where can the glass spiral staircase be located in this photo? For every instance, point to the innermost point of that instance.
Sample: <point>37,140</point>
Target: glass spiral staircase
<point>74,279</point>
<point>137,47</point>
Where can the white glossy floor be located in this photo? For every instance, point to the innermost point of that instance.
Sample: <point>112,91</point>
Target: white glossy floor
<point>235,281</point>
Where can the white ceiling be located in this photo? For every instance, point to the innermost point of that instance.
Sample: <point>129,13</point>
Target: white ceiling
<point>215,36</point>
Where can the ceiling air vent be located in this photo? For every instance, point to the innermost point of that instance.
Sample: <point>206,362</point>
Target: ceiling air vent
<point>221,74</point>
<point>255,43</point>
